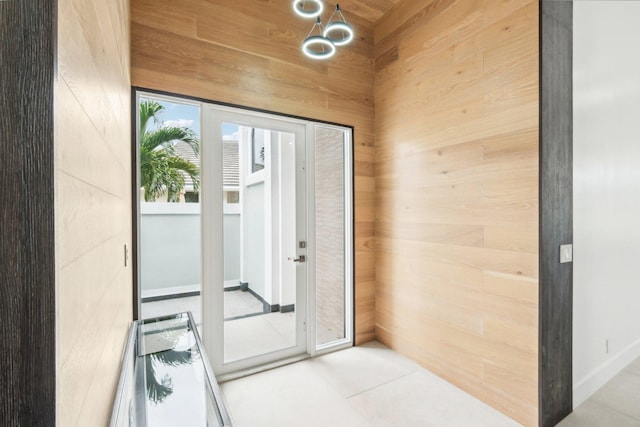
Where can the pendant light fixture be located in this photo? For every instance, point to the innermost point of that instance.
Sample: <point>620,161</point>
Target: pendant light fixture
<point>300,7</point>
<point>321,41</point>
<point>318,46</point>
<point>337,29</point>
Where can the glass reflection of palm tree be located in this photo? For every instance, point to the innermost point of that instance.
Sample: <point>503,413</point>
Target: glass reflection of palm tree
<point>158,391</point>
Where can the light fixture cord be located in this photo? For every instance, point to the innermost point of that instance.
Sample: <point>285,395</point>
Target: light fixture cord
<point>340,15</point>
<point>318,23</point>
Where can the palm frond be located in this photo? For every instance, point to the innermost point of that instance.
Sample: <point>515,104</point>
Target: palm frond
<point>162,170</point>
<point>157,391</point>
<point>162,137</point>
<point>176,358</point>
<point>148,110</point>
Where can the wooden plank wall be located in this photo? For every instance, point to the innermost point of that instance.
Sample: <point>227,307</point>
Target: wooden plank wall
<point>247,52</point>
<point>456,104</point>
<point>93,206</point>
<point>27,265</point>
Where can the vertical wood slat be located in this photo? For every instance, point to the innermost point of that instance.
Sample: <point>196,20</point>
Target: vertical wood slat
<point>556,225</point>
<point>27,269</point>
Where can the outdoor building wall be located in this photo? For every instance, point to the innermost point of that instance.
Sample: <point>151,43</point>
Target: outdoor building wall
<point>92,120</point>
<point>170,254</point>
<point>231,224</point>
<point>606,132</point>
<point>248,53</point>
<point>456,105</point>
<point>253,252</point>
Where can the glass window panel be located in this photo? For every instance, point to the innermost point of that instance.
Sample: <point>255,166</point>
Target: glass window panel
<point>170,250</point>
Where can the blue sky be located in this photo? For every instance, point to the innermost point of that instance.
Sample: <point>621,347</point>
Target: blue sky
<point>184,115</point>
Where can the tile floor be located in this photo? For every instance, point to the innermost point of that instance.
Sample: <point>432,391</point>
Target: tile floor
<point>236,303</point>
<point>244,337</point>
<point>255,335</point>
<point>368,385</point>
<point>373,386</point>
<point>616,404</point>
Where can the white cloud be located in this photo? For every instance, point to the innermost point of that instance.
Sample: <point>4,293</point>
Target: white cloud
<point>181,123</point>
<point>233,137</point>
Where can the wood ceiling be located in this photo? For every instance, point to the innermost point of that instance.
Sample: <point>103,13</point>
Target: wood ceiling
<point>371,10</point>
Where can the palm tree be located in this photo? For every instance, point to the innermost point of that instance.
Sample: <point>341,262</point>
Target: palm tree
<point>159,390</point>
<point>161,169</point>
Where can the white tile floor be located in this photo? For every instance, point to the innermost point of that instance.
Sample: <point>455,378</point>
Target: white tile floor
<point>172,306</point>
<point>371,385</point>
<point>236,303</point>
<point>256,335</point>
<point>368,385</point>
<point>617,404</point>
<point>244,337</point>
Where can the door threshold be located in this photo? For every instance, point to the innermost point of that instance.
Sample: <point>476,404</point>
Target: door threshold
<point>261,368</point>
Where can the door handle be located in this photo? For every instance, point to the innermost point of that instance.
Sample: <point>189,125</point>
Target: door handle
<point>301,258</point>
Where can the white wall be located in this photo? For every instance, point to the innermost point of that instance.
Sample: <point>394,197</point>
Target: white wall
<point>170,240</point>
<point>606,191</point>
<point>170,255</point>
<point>253,221</point>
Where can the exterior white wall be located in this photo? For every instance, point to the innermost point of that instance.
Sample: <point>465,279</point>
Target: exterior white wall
<point>254,229</point>
<point>286,219</point>
<point>231,224</point>
<point>606,191</point>
<point>171,255</point>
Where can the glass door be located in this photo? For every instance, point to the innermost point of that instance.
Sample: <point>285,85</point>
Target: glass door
<point>246,220</point>
<point>254,239</point>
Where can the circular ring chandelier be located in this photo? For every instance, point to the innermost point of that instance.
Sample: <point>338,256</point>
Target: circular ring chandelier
<point>338,31</point>
<point>321,41</point>
<point>300,9</point>
<point>318,46</point>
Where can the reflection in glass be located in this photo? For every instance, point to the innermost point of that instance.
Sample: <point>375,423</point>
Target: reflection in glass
<point>158,389</point>
<point>176,383</point>
<point>172,383</point>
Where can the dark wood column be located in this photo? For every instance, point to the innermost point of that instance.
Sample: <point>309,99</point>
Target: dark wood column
<point>556,212</point>
<point>27,270</point>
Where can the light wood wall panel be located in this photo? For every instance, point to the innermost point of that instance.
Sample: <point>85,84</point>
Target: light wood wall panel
<point>93,206</point>
<point>247,52</point>
<point>456,175</point>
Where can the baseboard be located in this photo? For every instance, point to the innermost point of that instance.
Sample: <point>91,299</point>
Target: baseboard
<point>266,307</point>
<point>232,285</point>
<point>287,308</point>
<point>600,376</point>
<point>169,293</point>
<point>171,296</point>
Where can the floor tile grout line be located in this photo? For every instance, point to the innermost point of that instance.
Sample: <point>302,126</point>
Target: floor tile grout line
<point>606,404</point>
<point>381,384</point>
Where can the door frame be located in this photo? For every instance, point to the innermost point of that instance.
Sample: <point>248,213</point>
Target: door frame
<point>349,205</point>
<point>212,242</point>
